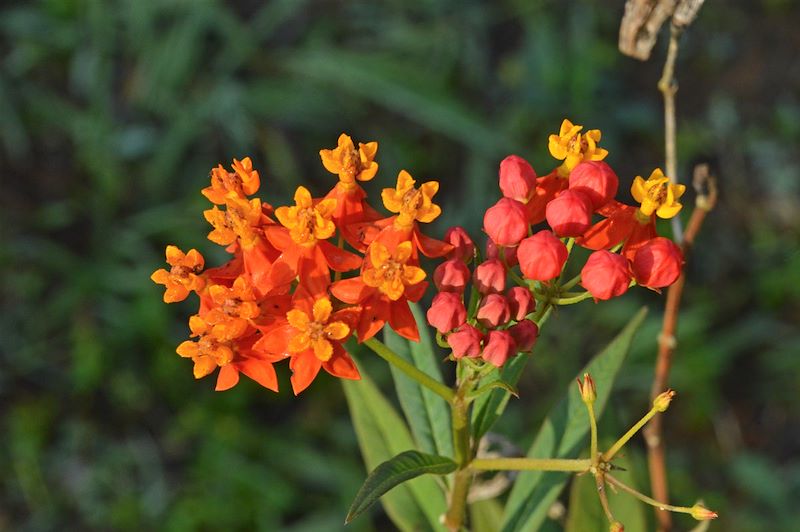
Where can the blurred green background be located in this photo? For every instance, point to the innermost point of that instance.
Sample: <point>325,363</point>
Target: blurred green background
<point>113,112</point>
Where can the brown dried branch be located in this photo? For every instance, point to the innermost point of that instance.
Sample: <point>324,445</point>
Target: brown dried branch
<point>706,187</point>
<point>643,19</point>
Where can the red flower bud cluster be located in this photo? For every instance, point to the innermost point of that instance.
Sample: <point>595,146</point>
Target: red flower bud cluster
<point>498,327</point>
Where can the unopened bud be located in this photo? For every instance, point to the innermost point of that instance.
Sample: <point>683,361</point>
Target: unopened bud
<point>701,513</point>
<point>616,526</point>
<point>587,389</point>
<point>661,403</point>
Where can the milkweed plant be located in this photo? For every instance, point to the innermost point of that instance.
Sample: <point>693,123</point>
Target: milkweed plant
<point>307,283</point>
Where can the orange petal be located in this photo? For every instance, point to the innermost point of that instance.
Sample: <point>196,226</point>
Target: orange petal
<point>305,367</point>
<point>337,330</point>
<point>174,255</point>
<point>228,378</point>
<point>341,365</point>
<point>402,321</point>
<point>160,276</point>
<point>349,290</point>
<point>338,259</point>
<point>322,310</point>
<point>203,365</point>
<point>260,371</point>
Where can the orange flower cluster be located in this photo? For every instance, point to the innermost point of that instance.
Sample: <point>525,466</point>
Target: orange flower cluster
<point>280,295</point>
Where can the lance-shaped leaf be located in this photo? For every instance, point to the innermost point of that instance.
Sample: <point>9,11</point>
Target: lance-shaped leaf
<point>382,433</point>
<point>488,407</point>
<point>403,467</point>
<point>428,414</point>
<point>563,435</point>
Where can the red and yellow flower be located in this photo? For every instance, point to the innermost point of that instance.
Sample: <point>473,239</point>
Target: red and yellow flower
<point>243,181</point>
<point>312,336</point>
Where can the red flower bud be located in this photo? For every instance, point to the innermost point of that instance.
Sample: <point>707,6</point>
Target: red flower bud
<point>506,222</point>
<point>447,312</point>
<point>596,180</point>
<point>517,178</point>
<point>542,256</point>
<point>499,347</point>
<point>451,276</point>
<point>465,341</point>
<point>492,251</point>
<point>606,275</point>
<point>493,311</point>
<point>520,302</point>
<point>657,263</point>
<point>570,213</point>
<point>490,277</point>
<point>463,247</point>
<point>524,334</point>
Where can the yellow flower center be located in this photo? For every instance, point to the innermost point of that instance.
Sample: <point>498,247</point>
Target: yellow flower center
<point>411,204</point>
<point>657,195</point>
<point>307,222</point>
<point>315,331</point>
<point>390,274</point>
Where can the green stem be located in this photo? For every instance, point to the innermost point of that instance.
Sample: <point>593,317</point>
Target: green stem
<point>409,369</point>
<point>462,452</point>
<point>609,454</point>
<point>593,429</point>
<point>572,282</point>
<point>644,498</point>
<point>570,300</point>
<point>531,464</point>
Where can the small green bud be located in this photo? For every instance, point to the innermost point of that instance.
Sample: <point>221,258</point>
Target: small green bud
<point>701,513</point>
<point>661,403</point>
<point>587,389</point>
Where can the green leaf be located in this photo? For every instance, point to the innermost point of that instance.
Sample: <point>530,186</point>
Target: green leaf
<point>563,434</point>
<point>489,407</point>
<point>395,471</point>
<point>381,433</point>
<point>484,515</point>
<point>427,413</point>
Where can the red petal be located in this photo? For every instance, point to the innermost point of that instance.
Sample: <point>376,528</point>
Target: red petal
<point>607,233</point>
<point>305,367</point>
<point>260,371</point>
<point>547,187</point>
<point>258,264</point>
<point>341,365</point>
<point>284,270</point>
<point>275,341</point>
<point>338,259</point>
<point>278,236</point>
<point>226,273</point>
<point>415,292</point>
<point>351,290</point>
<point>373,316</point>
<point>313,273</point>
<point>639,235</point>
<point>430,247</point>
<point>402,320</point>
<point>227,378</point>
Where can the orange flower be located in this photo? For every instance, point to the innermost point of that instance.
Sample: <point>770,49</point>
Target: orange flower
<point>240,221</point>
<point>208,352</point>
<point>351,165</point>
<point>312,335</point>
<point>182,277</point>
<point>306,221</point>
<point>232,357</point>
<point>389,272</point>
<point>243,181</point>
<point>233,311</point>
<point>306,254</point>
<point>386,284</point>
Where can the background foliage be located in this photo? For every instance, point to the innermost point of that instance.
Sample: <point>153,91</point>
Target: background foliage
<point>113,112</point>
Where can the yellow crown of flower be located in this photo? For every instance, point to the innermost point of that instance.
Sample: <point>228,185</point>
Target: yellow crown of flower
<point>315,332</point>
<point>307,222</point>
<point>657,195</point>
<point>411,203</point>
<point>389,273</point>
<point>574,147</point>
